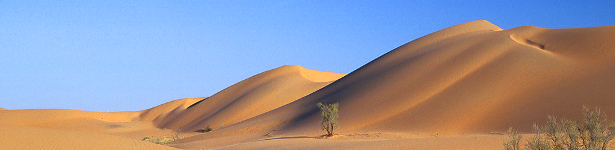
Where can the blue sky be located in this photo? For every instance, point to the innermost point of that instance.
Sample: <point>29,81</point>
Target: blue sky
<point>134,55</point>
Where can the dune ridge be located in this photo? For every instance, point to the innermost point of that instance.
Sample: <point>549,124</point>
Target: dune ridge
<point>168,110</point>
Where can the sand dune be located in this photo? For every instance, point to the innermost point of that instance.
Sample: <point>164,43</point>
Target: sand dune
<point>266,91</point>
<point>246,99</point>
<point>473,78</point>
<point>471,82</point>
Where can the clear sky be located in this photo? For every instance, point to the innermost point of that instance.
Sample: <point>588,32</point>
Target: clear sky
<point>134,55</point>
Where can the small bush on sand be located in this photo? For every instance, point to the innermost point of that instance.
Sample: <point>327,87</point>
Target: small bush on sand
<point>206,129</point>
<point>163,140</point>
<point>593,134</point>
<point>513,140</point>
<point>176,135</point>
<point>329,117</point>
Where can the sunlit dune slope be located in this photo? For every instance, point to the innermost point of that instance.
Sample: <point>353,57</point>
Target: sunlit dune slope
<point>246,99</point>
<point>23,137</point>
<point>469,78</point>
<point>474,78</point>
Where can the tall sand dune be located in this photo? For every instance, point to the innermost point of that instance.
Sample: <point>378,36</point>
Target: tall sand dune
<point>469,78</point>
<point>475,78</point>
<point>246,99</point>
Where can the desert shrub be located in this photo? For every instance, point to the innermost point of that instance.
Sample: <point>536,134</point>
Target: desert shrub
<point>539,141</point>
<point>163,140</point>
<point>176,135</point>
<point>329,117</point>
<point>593,133</point>
<point>513,140</point>
<point>146,138</point>
<point>206,129</point>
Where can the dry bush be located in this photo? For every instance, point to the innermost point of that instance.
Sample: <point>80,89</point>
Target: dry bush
<point>592,134</point>
<point>513,140</point>
<point>206,129</point>
<point>162,140</point>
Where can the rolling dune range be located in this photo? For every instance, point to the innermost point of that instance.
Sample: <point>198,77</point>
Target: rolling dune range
<point>452,88</point>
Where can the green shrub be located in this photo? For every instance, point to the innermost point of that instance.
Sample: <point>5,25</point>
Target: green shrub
<point>329,117</point>
<point>594,133</point>
<point>206,129</point>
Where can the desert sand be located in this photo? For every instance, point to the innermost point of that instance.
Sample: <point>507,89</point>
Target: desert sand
<point>458,88</point>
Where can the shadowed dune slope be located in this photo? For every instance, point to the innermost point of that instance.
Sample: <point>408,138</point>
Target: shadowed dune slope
<point>169,110</point>
<point>246,99</point>
<point>469,78</point>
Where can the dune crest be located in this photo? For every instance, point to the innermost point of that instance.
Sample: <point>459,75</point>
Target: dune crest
<point>169,110</point>
<point>319,76</point>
